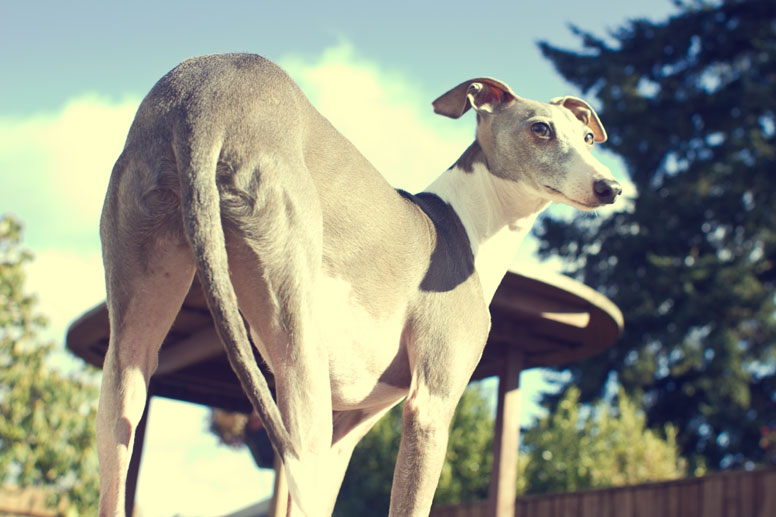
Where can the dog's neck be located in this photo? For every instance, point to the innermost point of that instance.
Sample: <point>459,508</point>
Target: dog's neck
<point>496,213</point>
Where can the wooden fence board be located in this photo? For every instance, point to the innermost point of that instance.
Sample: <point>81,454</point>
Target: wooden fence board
<point>732,488</point>
<point>607,508</point>
<point>729,494</point>
<point>545,508</point>
<point>525,508</point>
<point>748,490</point>
<point>659,498</point>
<point>643,502</point>
<point>692,501</point>
<point>557,507</point>
<point>713,497</point>
<point>590,505</point>
<point>674,494</point>
<point>767,494</point>
<point>569,507</point>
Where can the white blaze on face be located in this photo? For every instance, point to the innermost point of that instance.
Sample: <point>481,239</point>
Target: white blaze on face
<point>566,170</point>
<point>583,171</point>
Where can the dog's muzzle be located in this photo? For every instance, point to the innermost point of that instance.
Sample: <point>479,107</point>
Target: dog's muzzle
<point>607,190</point>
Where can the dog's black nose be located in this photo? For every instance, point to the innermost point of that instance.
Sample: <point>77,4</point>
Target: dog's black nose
<point>607,190</point>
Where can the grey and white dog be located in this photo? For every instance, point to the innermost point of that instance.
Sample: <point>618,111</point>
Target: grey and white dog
<point>356,295</point>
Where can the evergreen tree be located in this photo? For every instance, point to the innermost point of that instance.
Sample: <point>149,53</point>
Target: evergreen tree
<point>689,105</point>
<point>47,436</point>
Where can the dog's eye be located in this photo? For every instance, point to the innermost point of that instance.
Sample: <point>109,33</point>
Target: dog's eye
<point>541,129</point>
<point>589,139</point>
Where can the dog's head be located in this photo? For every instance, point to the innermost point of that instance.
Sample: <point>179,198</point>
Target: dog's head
<point>545,146</point>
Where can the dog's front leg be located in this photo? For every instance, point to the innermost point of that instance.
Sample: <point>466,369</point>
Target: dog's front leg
<point>445,343</point>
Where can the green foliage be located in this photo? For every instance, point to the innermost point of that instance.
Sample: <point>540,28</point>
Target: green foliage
<point>366,489</point>
<point>579,447</point>
<point>688,103</point>
<point>466,472</point>
<point>46,433</point>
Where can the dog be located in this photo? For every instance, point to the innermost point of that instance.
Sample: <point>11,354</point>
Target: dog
<point>356,295</point>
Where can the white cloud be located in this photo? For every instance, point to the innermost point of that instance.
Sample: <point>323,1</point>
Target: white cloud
<point>55,170</point>
<point>67,282</point>
<point>56,165</point>
<point>84,143</point>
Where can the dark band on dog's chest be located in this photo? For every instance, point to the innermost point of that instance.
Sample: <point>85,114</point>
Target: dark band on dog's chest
<point>452,261</point>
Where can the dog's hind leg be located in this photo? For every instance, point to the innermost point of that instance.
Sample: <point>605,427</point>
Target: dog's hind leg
<point>275,257</point>
<point>147,281</point>
<point>349,428</point>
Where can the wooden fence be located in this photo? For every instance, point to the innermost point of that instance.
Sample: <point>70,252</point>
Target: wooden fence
<point>726,494</point>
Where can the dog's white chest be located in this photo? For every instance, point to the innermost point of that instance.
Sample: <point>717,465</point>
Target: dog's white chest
<point>363,344</point>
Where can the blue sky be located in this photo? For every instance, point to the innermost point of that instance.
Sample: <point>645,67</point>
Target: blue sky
<point>74,72</point>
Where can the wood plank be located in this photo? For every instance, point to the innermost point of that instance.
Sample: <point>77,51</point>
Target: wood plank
<point>643,502</point>
<point>691,499</point>
<point>559,507</point>
<point>520,505</point>
<point>576,504</point>
<point>545,508</point>
<point>503,477</point>
<point>660,496</point>
<point>200,346</point>
<point>767,494</point>
<point>529,508</point>
<point>674,494</point>
<point>566,506</point>
<point>622,500</point>
<point>732,491</point>
<point>606,504</point>
<point>713,497</point>
<point>590,505</point>
<point>748,491</point>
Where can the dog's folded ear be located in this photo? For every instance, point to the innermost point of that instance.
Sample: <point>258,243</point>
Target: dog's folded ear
<point>483,94</point>
<point>584,112</point>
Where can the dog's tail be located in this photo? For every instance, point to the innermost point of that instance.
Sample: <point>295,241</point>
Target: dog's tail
<point>201,212</point>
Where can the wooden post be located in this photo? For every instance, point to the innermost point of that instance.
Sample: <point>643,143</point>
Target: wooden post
<point>503,476</point>
<point>134,461</point>
<point>279,506</point>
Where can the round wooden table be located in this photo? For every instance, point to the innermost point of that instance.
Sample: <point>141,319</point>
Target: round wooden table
<point>539,318</point>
